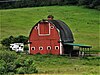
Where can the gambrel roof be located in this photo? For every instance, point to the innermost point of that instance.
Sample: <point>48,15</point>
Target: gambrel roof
<point>65,32</point>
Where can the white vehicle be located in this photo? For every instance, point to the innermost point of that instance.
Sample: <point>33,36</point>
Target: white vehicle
<point>18,47</point>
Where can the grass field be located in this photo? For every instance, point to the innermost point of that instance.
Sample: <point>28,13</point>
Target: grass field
<point>51,64</point>
<point>83,22</point>
<point>57,65</point>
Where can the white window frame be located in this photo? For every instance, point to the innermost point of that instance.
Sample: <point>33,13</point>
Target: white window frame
<point>51,27</point>
<point>32,48</point>
<point>43,34</point>
<point>56,47</point>
<point>36,27</point>
<point>40,47</point>
<point>48,47</point>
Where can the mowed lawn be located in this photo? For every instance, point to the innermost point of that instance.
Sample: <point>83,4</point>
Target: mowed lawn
<point>83,22</point>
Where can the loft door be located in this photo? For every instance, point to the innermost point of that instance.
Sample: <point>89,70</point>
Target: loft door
<point>44,29</point>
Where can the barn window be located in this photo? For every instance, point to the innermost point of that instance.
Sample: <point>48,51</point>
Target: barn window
<point>40,48</point>
<point>33,48</point>
<point>48,47</point>
<point>56,47</point>
<point>52,27</point>
<point>36,27</point>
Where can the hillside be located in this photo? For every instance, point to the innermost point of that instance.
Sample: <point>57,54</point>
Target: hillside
<point>83,22</point>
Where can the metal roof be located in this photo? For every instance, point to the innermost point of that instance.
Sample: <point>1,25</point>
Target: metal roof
<point>65,32</point>
<point>80,45</point>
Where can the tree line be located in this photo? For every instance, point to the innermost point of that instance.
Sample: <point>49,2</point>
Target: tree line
<point>6,4</point>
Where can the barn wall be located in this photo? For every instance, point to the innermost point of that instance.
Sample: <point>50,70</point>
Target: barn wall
<point>38,41</point>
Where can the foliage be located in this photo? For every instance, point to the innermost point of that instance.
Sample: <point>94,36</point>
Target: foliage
<point>90,3</point>
<point>6,62</point>
<point>25,66</point>
<point>11,63</point>
<point>34,3</point>
<point>10,40</point>
<point>7,56</point>
<point>2,66</point>
<point>7,41</point>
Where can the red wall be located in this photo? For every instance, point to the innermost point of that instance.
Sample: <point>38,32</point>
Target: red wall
<point>44,34</point>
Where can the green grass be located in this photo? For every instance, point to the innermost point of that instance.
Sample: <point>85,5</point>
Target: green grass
<point>50,64</point>
<point>57,65</point>
<point>83,22</point>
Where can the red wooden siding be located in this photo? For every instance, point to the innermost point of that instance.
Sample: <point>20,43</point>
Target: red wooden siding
<point>44,35</point>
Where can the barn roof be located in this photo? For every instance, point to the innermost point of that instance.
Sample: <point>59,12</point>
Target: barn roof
<point>65,32</point>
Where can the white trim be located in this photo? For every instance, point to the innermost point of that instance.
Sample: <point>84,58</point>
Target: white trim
<point>48,47</point>
<point>40,47</point>
<point>32,48</point>
<point>36,27</point>
<point>51,27</point>
<point>56,47</point>
<point>29,47</point>
<point>43,34</point>
<point>61,48</point>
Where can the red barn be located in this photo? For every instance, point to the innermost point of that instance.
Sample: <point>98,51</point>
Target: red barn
<point>49,37</point>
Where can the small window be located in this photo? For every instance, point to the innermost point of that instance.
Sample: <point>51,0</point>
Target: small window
<point>33,48</point>
<point>48,47</point>
<point>40,48</point>
<point>56,47</point>
<point>52,27</point>
<point>36,27</point>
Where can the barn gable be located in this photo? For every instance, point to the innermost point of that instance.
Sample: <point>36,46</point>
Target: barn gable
<point>65,32</point>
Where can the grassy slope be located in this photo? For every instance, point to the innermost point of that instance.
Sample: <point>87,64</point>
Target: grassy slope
<point>83,22</point>
<point>52,64</point>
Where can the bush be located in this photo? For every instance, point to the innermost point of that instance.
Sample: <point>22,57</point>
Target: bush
<point>2,66</point>
<point>8,56</point>
<point>7,62</point>
<point>7,41</point>
<point>25,66</point>
<point>20,39</point>
<point>11,63</point>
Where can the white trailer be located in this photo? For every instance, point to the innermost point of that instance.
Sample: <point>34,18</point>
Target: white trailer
<point>18,47</point>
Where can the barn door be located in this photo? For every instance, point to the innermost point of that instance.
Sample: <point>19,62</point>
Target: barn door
<point>44,29</point>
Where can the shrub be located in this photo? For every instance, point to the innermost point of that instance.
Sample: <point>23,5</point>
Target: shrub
<point>7,41</point>
<point>2,66</point>
<point>25,66</point>
<point>8,56</point>
<point>7,62</point>
<point>20,39</point>
<point>11,64</point>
